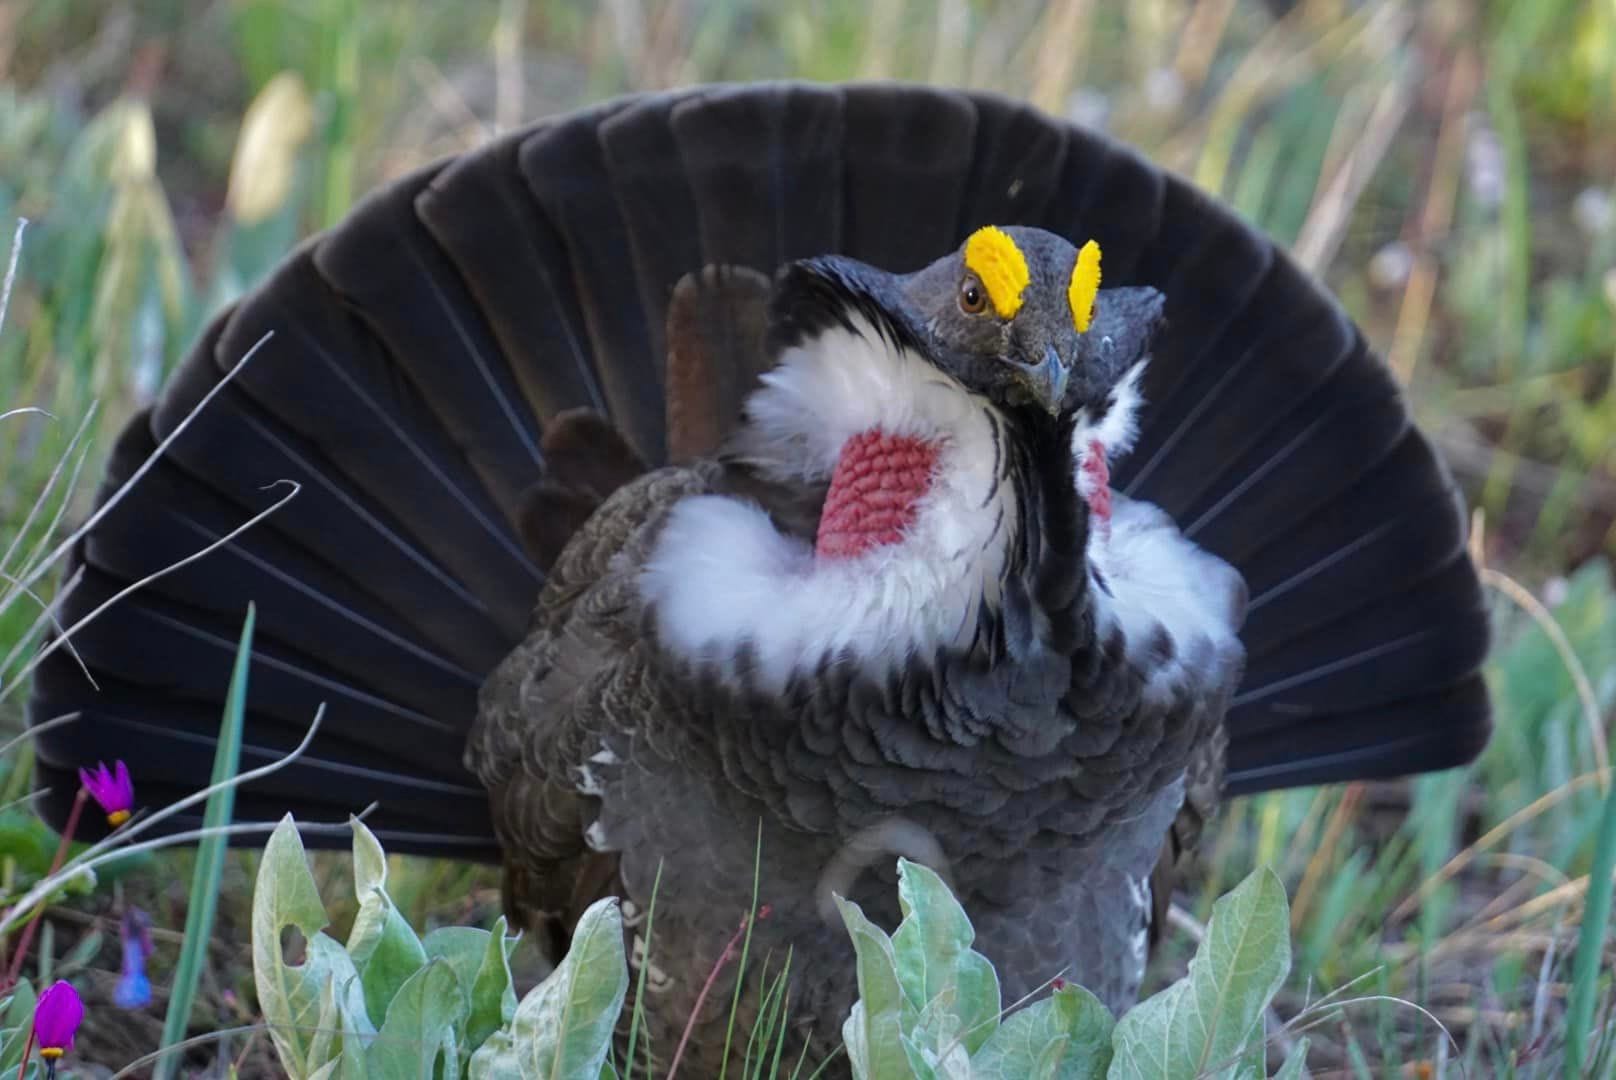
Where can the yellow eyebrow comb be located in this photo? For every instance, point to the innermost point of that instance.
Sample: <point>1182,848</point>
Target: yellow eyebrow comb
<point>1085,285</point>
<point>994,258</point>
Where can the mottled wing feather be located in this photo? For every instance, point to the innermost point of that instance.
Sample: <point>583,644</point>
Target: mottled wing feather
<point>550,730</point>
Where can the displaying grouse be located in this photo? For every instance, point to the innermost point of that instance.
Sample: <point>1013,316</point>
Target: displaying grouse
<point>762,474</point>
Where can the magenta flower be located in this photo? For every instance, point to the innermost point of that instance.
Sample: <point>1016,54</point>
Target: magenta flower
<point>111,789</point>
<point>56,1018</point>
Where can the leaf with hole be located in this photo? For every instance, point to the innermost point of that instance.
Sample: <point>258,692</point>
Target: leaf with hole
<point>291,996</point>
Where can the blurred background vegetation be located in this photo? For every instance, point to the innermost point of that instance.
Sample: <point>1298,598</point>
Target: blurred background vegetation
<point>1446,167</point>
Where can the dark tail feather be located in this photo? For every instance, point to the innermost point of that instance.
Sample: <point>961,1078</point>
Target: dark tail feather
<point>424,349</point>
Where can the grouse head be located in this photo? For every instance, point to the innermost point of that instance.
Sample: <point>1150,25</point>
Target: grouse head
<point>1015,316</point>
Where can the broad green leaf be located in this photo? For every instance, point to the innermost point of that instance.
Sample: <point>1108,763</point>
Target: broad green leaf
<point>1253,1061</point>
<point>18,1020</point>
<point>290,997</point>
<point>932,950</point>
<point>1049,1062</point>
<point>481,963</point>
<point>562,1029</point>
<point>352,1063</point>
<point>1201,1023</point>
<point>1295,1067</point>
<point>496,1057</point>
<point>419,1029</point>
<point>873,1030</point>
<point>202,903</point>
<point>919,1061</point>
<point>1065,1036</point>
<point>933,1060</point>
<point>938,1025</point>
<point>383,946</point>
<point>323,1042</point>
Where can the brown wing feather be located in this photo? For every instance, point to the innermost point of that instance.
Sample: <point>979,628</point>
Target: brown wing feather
<point>717,320</point>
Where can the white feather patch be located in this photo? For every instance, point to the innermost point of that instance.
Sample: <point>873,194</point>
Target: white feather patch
<point>1156,576</point>
<point>1115,432</point>
<point>722,577</point>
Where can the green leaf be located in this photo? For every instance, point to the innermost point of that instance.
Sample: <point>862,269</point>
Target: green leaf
<point>929,1064</point>
<point>384,948</point>
<point>1049,1062</point>
<point>1295,1067</point>
<point>1201,1023</point>
<point>874,1029</point>
<point>1066,1036</point>
<point>19,1020</point>
<point>481,963</point>
<point>291,997</point>
<point>203,901</point>
<point>932,949</point>
<point>327,1030</point>
<point>562,1029</point>
<point>419,1030</point>
<point>496,1057</point>
<point>1585,972</point>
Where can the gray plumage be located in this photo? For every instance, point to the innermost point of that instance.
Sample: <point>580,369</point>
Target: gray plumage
<point>1034,763</point>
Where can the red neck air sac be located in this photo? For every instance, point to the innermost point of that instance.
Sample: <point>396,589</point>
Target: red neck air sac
<point>878,481</point>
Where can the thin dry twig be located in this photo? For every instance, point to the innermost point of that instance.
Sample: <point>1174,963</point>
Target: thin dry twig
<point>1328,1011</point>
<point>1435,217</point>
<point>50,484</point>
<point>34,730</point>
<point>67,635</point>
<point>11,270</point>
<point>37,572</point>
<point>1546,621</point>
<point>1525,814</point>
<point>1338,194</point>
<point>186,1044</point>
<point>47,614</point>
<point>1064,38</point>
<point>1346,811</point>
<point>118,843</point>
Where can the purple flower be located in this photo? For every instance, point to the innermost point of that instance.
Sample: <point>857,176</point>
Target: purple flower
<point>134,988</point>
<point>56,1018</point>
<point>111,789</point>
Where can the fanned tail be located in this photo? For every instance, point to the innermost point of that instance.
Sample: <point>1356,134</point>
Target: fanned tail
<point>424,349</point>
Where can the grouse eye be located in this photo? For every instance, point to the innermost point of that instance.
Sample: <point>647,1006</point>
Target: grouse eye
<point>973,299</point>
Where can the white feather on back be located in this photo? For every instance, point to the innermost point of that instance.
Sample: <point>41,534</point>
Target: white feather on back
<point>1116,430</point>
<point>1155,575</point>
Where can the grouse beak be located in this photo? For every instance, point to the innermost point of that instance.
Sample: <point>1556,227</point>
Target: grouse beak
<point>1045,382</point>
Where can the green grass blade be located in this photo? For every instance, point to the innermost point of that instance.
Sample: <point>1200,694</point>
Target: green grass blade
<point>780,1027</point>
<point>204,898</point>
<point>1591,941</point>
<point>637,1016</point>
<point>746,950</point>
